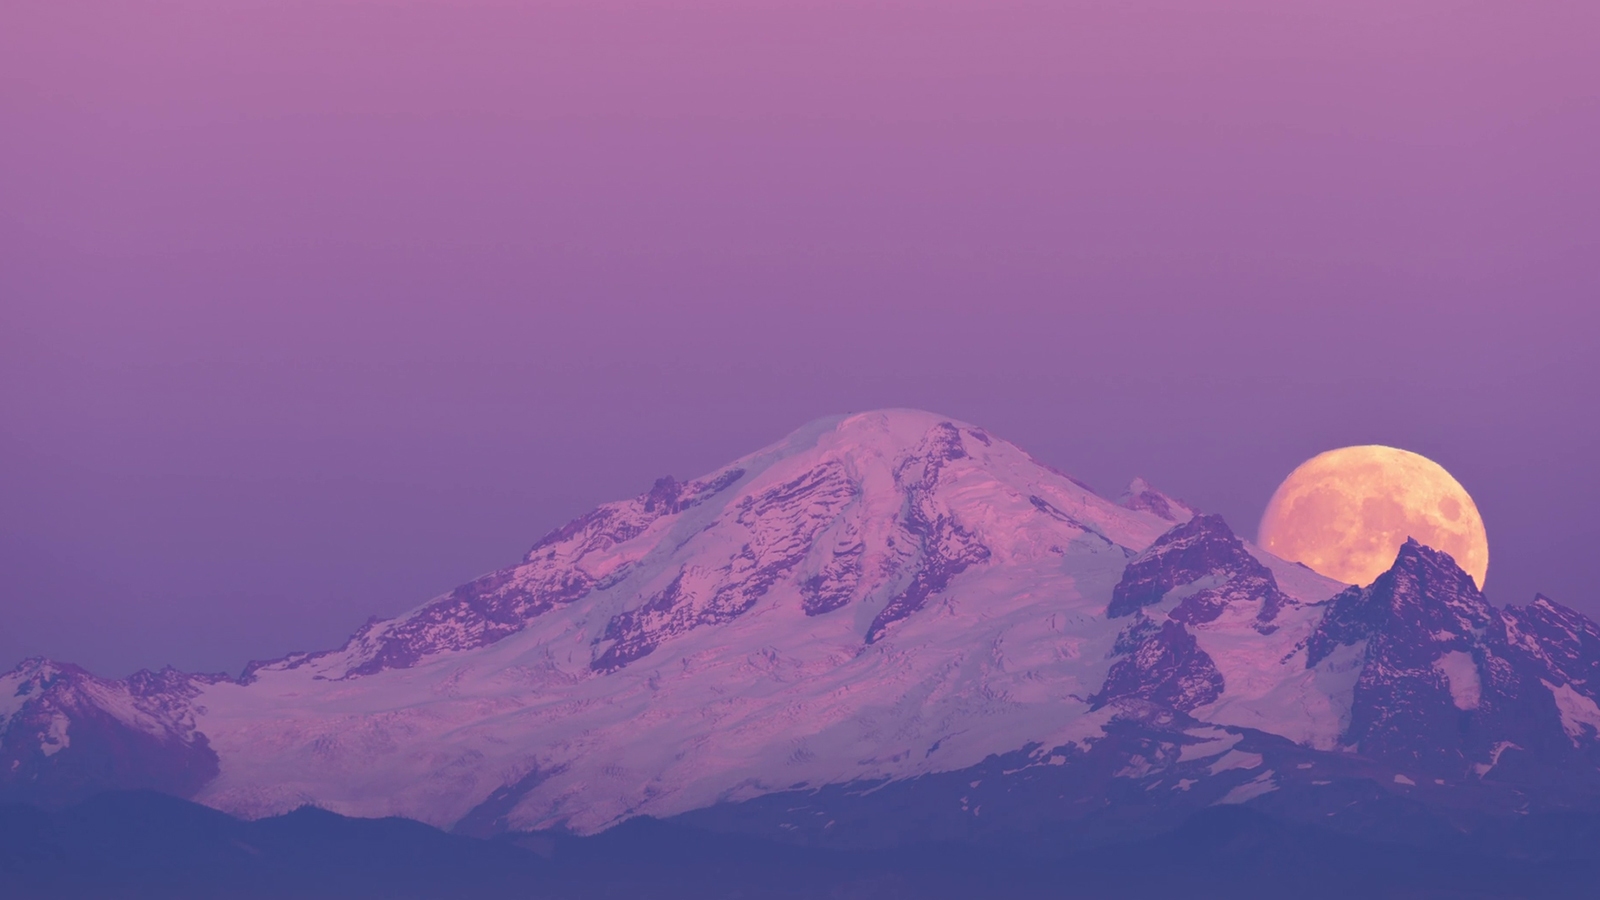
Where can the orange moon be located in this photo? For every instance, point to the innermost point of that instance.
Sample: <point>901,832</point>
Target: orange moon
<point>1345,513</point>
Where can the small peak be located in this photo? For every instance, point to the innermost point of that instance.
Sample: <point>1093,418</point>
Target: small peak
<point>915,420</point>
<point>1202,546</point>
<point>1424,600</point>
<point>1425,589</point>
<point>1544,609</point>
<point>42,667</point>
<point>663,494</point>
<point>1413,553</point>
<point>1209,530</point>
<point>37,674</point>
<point>1415,556</point>
<point>899,429</point>
<point>1210,525</point>
<point>1141,496</point>
<point>890,433</point>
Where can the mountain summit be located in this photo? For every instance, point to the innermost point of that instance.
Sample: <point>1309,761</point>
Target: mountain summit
<point>888,605</point>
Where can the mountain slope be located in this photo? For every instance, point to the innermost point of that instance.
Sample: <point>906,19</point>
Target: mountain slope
<point>66,734</point>
<point>876,596</point>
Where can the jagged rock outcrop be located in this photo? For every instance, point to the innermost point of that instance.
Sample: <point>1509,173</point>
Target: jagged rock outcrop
<point>1189,578</point>
<point>66,735</point>
<point>1448,684</point>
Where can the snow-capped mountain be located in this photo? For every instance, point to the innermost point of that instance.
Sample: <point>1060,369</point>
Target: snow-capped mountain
<point>884,605</point>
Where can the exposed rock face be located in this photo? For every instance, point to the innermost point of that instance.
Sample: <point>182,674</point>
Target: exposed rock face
<point>1557,642</point>
<point>66,735</point>
<point>1190,577</point>
<point>779,527</point>
<point>502,603</point>
<point>944,547</point>
<point>893,600</point>
<point>1444,686</point>
<point>1202,552</point>
<point>1164,664</point>
<point>1548,650</point>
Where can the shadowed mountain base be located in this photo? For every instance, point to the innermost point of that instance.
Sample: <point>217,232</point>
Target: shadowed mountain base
<point>142,845</point>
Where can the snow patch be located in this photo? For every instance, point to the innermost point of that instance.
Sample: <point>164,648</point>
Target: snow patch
<point>1269,688</point>
<point>10,701</point>
<point>1461,673</point>
<point>1261,784</point>
<point>1482,769</point>
<point>1209,747</point>
<point>1579,715</point>
<point>1236,759</point>
<point>55,739</point>
<point>1138,767</point>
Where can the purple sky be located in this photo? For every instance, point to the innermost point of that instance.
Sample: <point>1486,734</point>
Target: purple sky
<point>311,309</point>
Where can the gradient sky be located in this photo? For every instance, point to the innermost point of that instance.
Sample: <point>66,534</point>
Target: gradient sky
<point>312,310</point>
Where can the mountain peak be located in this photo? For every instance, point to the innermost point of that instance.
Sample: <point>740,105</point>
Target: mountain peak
<point>38,672</point>
<point>878,510</point>
<point>1413,552</point>
<point>1421,573</point>
<point>1447,682</point>
<point>1190,551</point>
<point>1424,599</point>
<point>1197,581</point>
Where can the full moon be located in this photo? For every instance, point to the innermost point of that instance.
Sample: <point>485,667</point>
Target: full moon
<point>1346,512</point>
